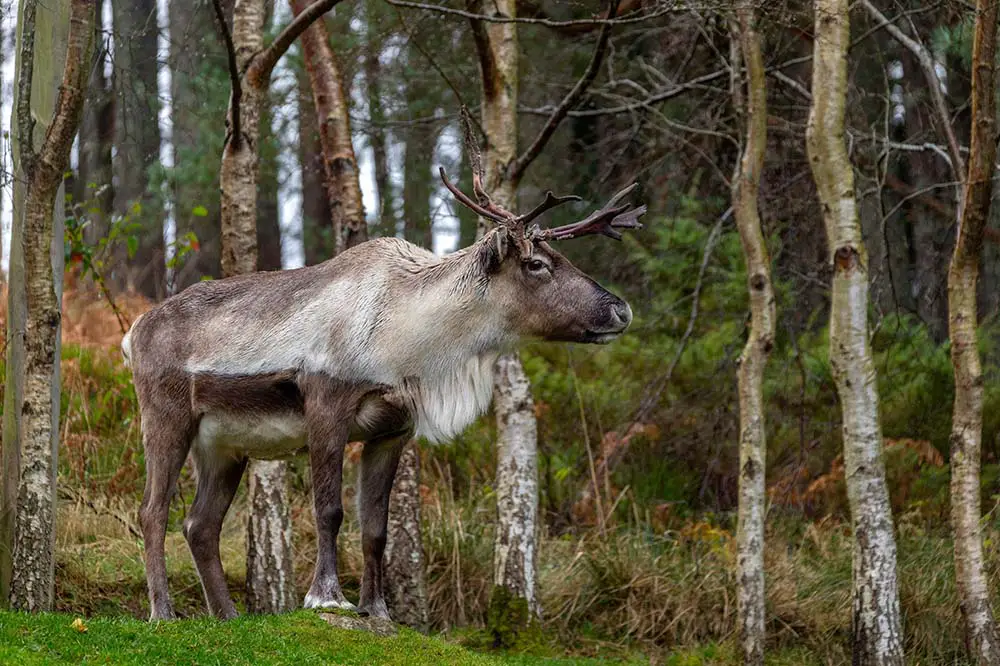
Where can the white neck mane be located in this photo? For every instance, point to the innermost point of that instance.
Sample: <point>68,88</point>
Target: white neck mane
<point>446,403</point>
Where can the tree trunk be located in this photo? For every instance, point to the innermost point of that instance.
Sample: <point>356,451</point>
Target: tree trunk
<point>967,415</point>
<point>317,237</point>
<point>137,144</point>
<point>405,586</point>
<point>270,574</point>
<point>513,601</point>
<point>268,229</point>
<point>385,214</point>
<point>48,36</point>
<point>96,136</point>
<point>343,190</point>
<point>270,578</point>
<point>195,56</point>
<point>753,443</point>
<point>877,633</point>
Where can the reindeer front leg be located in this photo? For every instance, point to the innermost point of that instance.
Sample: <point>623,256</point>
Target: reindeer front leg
<point>328,429</point>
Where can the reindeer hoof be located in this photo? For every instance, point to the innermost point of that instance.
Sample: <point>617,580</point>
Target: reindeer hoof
<point>328,604</point>
<point>375,609</point>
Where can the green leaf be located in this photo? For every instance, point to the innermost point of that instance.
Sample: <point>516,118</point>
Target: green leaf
<point>133,245</point>
<point>199,211</point>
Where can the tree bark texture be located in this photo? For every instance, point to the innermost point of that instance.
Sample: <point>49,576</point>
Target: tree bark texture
<point>332,114</point>
<point>137,144</point>
<point>877,637</point>
<point>750,374</point>
<point>49,36</point>
<point>404,564</point>
<point>514,602</point>
<point>967,414</point>
<point>270,576</point>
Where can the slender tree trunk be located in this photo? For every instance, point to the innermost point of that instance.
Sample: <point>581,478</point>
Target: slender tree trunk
<point>270,579</point>
<point>53,51</point>
<point>385,215</point>
<point>317,237</point>
<point>753,443</point>
<point>877,632</point>
<point>270,574</point>
<point>195,58</point>
<point>137,143</point>
<point>405,586</point>
<point>514,601</point>
<point>967,416</point>
<point>96,136</point>
<point>268,230</point>
<point>332,115</point>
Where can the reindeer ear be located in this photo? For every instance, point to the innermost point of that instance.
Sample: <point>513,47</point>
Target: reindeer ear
<point>493,249</point>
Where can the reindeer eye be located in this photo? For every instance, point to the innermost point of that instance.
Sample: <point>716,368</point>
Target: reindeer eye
<point>537,266</point>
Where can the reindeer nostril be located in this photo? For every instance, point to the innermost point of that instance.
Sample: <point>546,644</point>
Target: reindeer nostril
<point>623,312</point>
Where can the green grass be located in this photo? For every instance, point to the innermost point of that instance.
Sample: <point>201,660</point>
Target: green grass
<point>298,638</point>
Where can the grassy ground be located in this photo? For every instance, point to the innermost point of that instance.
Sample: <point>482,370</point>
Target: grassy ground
<point>298,638</point>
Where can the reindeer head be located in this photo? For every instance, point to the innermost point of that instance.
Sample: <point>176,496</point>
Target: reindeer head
<point>541,293</point>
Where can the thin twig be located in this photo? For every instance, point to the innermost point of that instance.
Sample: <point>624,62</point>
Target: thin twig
<point>570,101</point>
<point>234,74</point>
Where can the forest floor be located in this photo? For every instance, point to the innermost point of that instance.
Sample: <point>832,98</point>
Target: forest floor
<point>298,638</point>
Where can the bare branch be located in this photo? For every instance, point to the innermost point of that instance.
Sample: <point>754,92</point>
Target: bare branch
<point>25,123</point>
<point>519,166</point>
<point>666,8</point>
<point>234,74</point>
<point>933,84</point>
<point>263,63</point>
<point>69,105</point>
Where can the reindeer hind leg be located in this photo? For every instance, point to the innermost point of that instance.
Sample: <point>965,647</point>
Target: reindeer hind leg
<point>218,479</point>
<point>166,441</point>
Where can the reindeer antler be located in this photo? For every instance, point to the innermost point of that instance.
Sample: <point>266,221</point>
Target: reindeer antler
<point>605,221</point>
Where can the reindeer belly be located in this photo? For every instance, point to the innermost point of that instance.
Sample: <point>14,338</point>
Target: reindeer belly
<point>260,436</point>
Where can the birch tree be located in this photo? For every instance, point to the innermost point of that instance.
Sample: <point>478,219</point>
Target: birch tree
<point>967,413</point>
<point>753,443</point>
<point>270,576</point>
<point>54,42</point>
<point>514,601</point>
<point>877,637</point>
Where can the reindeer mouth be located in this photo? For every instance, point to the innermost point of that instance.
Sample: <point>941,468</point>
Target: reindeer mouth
<point>600,338</point>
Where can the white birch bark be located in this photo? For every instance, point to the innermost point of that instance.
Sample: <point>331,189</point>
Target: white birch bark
<point>750,375</point>
<point>967,414</point>
<point>270,576</point>
<point>54,45</point>
<point>876,628</point>
<point>514,602</point>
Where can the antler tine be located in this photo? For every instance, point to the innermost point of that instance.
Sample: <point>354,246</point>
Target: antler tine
<point>605,221</point>
<point>551,201</point>
<point>464,199</point>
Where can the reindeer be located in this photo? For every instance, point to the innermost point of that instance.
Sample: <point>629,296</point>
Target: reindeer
<point>383,342</point>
